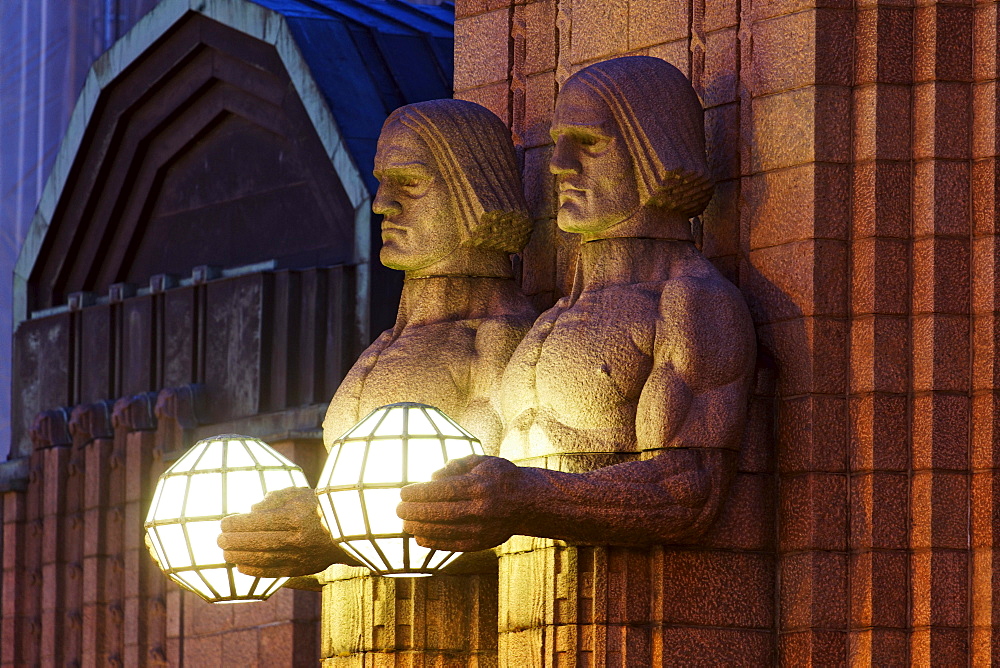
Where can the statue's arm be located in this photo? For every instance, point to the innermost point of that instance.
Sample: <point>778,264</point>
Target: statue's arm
<point>282,536</point>
<point>689,420</point>
<point>693,408</point>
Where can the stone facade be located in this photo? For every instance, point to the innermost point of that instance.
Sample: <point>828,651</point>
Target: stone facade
<point>855,149</point>
<point>854,146</point>
<point>79,586</point>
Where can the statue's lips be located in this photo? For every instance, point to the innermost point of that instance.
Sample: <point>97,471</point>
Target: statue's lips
<point>390,229</point>
<point>569,192</point>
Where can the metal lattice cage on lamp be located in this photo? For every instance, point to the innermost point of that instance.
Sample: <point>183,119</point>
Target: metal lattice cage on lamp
<point>218,476</point>
<point>358,491</point>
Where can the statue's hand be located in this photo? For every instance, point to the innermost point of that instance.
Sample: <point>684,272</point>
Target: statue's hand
<point>471,504</point>
<point>281,536</point>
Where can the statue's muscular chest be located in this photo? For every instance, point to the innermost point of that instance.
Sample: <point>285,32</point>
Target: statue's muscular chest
<point>428,364</point>
<point>589,361</point>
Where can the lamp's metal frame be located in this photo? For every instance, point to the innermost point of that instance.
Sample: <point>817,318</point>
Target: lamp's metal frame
<point>176,573</point>
<point>434,559</point>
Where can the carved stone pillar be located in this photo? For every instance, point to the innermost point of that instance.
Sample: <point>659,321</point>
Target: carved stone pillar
<point>616,606</point>
<point>51,439</point>
<point>90,428</point>
<point>30,549</point>
<point>139,600</point>
<point>586,605</point>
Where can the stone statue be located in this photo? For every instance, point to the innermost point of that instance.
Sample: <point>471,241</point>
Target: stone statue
<point>454,211</point>
<point>618,417</point>
<point>625,404</point>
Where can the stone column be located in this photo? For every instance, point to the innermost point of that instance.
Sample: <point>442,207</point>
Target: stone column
<point>50,436</point>
<point>91,429</point>
<point>985,436</point>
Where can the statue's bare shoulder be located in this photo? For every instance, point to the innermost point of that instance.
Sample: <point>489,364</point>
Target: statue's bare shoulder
<point>500,335</point>
<point>343,411</point>
<point>703,365</point>
<point>705,330</point>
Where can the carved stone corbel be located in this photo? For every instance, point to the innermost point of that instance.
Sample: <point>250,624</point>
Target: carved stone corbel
<point>51,428</point>
<point>183,405</point>
<point>135,413</point>
<point>178,411</point>
<point>90,421</point>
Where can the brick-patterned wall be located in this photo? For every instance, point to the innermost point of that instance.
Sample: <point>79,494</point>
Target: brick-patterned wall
<point>878,430</point>
<point>922,387</point>
<point>855,145</point>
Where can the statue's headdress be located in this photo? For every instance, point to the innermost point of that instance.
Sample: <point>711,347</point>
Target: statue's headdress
<point>475,156</point>
<point>662,122</point>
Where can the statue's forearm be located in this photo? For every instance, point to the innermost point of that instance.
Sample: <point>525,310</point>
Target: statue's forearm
<point>673,497</point>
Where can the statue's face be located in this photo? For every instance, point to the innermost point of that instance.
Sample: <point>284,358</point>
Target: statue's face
<point>594,172</point>
<point>419,225</point>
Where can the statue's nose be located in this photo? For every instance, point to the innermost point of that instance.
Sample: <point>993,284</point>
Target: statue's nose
<point>384,204</point>
<point>564,160</point>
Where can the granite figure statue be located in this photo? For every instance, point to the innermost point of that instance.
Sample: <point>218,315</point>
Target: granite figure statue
<point>625,404</point>
<point>453,213</point>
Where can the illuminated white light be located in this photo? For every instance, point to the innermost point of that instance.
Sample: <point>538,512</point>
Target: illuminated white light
<point>359,488</point>
<point>218,476</point>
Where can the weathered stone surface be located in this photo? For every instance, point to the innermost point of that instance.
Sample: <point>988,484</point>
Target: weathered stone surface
<point>860,223</point>
<point>477,46</point>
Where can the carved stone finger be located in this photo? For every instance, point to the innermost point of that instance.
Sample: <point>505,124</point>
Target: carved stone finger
<point>450,489</point>
<point>281,497</point>
<point>463,531</point>
<point>444,511</point>
<point>457,467</point>
<point>258,541</point>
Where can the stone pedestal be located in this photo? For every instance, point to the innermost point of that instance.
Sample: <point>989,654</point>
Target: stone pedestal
<point>707,604</point>
<point>612,606</point>
<point>444,620</point>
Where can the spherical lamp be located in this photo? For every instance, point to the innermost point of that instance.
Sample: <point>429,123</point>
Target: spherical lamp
<point>218,476</point>
<point>359,488</point>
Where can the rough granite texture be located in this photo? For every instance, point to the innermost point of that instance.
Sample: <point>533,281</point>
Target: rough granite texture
<point>860,223</point>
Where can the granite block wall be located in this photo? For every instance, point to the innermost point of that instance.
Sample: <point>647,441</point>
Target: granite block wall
<point>854,146</point>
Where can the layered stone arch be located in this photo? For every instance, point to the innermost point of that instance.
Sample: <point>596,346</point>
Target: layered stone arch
<point>199,140</point>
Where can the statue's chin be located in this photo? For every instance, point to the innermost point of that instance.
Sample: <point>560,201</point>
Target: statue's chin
<point>393,258</point>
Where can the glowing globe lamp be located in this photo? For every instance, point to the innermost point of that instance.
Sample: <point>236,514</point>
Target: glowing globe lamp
<point>359,488</point>
<point>218,476</point>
